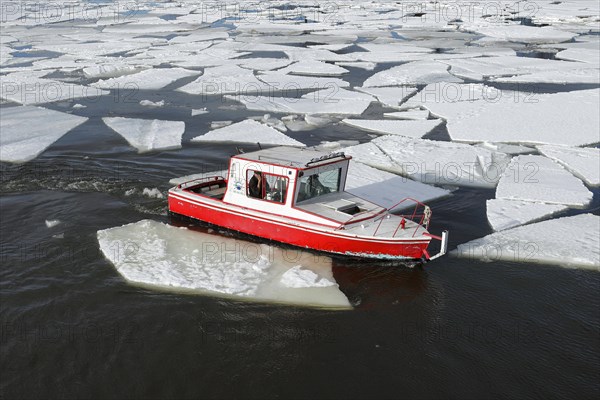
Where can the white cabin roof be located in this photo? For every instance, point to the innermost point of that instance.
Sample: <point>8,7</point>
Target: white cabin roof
<point>292,157</point>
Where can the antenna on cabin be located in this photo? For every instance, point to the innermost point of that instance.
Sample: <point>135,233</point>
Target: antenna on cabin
<point>259,146</point>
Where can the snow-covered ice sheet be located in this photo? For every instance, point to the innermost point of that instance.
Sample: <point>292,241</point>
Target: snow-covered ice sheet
<point>505,214</point>
<point>412,73</point>
<point>390,96</point>
<point>591,56</point>
<point>568,242</point>
<point>150,79</point>
<point>479,113</point>
<point>226,79</point>
<point>331,101</point>
<point>313,68</point>
<point>520,33</point>
<point>148,134</point>
<point>385,188</point>
<point>408,114</point>
<point>410,128</point>
<point>584,163</point>
<point>112,70</point>
<point>433,162</point>
<point>26,131</point>
<point>572,76</point>
<point>29,88</point>
<point>152,253</point>
<point>539,179</point>
<point>248,131</point>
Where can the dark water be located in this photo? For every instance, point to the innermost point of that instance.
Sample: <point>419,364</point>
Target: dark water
<point>71,327</point>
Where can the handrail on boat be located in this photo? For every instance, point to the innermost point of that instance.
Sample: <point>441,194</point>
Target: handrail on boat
<point>186,184</point>
<point>424,219</point>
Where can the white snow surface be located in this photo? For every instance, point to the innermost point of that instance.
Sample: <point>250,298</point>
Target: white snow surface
<point>570,242</point>
<point>539,179</point>
<point>412,73</point>
<point>313,68</point>
<point>390,96</point>
<point>387,189</point>
<point>520,33</point>
<point>584,163</point>
<point>410,128</point>
<point>150,79</point>
<point>26,131</point>
<point>148,134</point>
<point>248,131</point>
<point>433,162</point>
<point>479,113</point>
<point>152,253</point>
<point>505,214</point>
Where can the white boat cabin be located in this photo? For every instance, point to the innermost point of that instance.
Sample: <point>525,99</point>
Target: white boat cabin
<point>298,183</point>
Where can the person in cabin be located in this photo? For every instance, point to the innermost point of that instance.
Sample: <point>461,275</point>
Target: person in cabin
<point>255,186</point>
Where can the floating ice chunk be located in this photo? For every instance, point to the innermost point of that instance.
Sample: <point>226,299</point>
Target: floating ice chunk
<point>414,129</point>
<point>27,131</point>
<point>504,214</point>
<point>248,131</point>
<point>298,277</point>
<point>334,145</point>
<point>29,88</point>
<point>150,79</point>
<point>390,96</point>
<point>591,56</point>
<point>297,123</point>
<point>521,33</point>
<point>408,114</point>
<point>568,242</point>
<point>387,189</point>
<point>148,134</point>
<point>433,162</point>
<point>200,111</point>
<point>331,101</point>
<point>584,163</point>
<point>52,223</point>
<point>77,106</point>
<point>149,103</point>
<point>226,79</point>
<point>478,113</point>
<point>537,178</point>
<point>413,73</point>
<point>110,70</point>
<point>220,124</point>
<point>572,76</point>
<point>151,253</point>
<point>154,193</point>
<point>506,148</point>
<point>366,65</point>
<point>290,83</point>
<point>262,64</point>
<point>313,68</point>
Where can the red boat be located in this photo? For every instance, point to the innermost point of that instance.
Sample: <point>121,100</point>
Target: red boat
<point>296,196</point>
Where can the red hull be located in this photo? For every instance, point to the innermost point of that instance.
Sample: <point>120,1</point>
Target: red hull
<point>215,212</point>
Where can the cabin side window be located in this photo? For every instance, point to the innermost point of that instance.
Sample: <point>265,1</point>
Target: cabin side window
<point>315,185</point>
<point>267,186</point>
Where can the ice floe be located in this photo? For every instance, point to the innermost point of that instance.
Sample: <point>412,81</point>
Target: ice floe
<point>150,79</point>
<point>479,113</point>
<point>412,73</point>
<point>539,179</point>
<point>150,103</point>
<point>51,223</point>
<point>29,88</point>
<point>521,33</point>
<point>390,96</point>
<point>152,253</point>
<point>410,128</point>
<point>27,131</point>
<point>567,242</point>
<point>148,134</point>
<point>248,131</point>
<point>226,79</point>
<point>584,163</point>
<point>591,56</point>
<point>109,70</point>
<point>408,114</point>
<point>433,162</point>
<point>331,101</point>
<point>385,188</point>
<point>199,111</point>
<point>505,214</point>
<point>313,68</point>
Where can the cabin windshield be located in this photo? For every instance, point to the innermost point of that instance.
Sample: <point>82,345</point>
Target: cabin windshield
<point>315,185</point>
